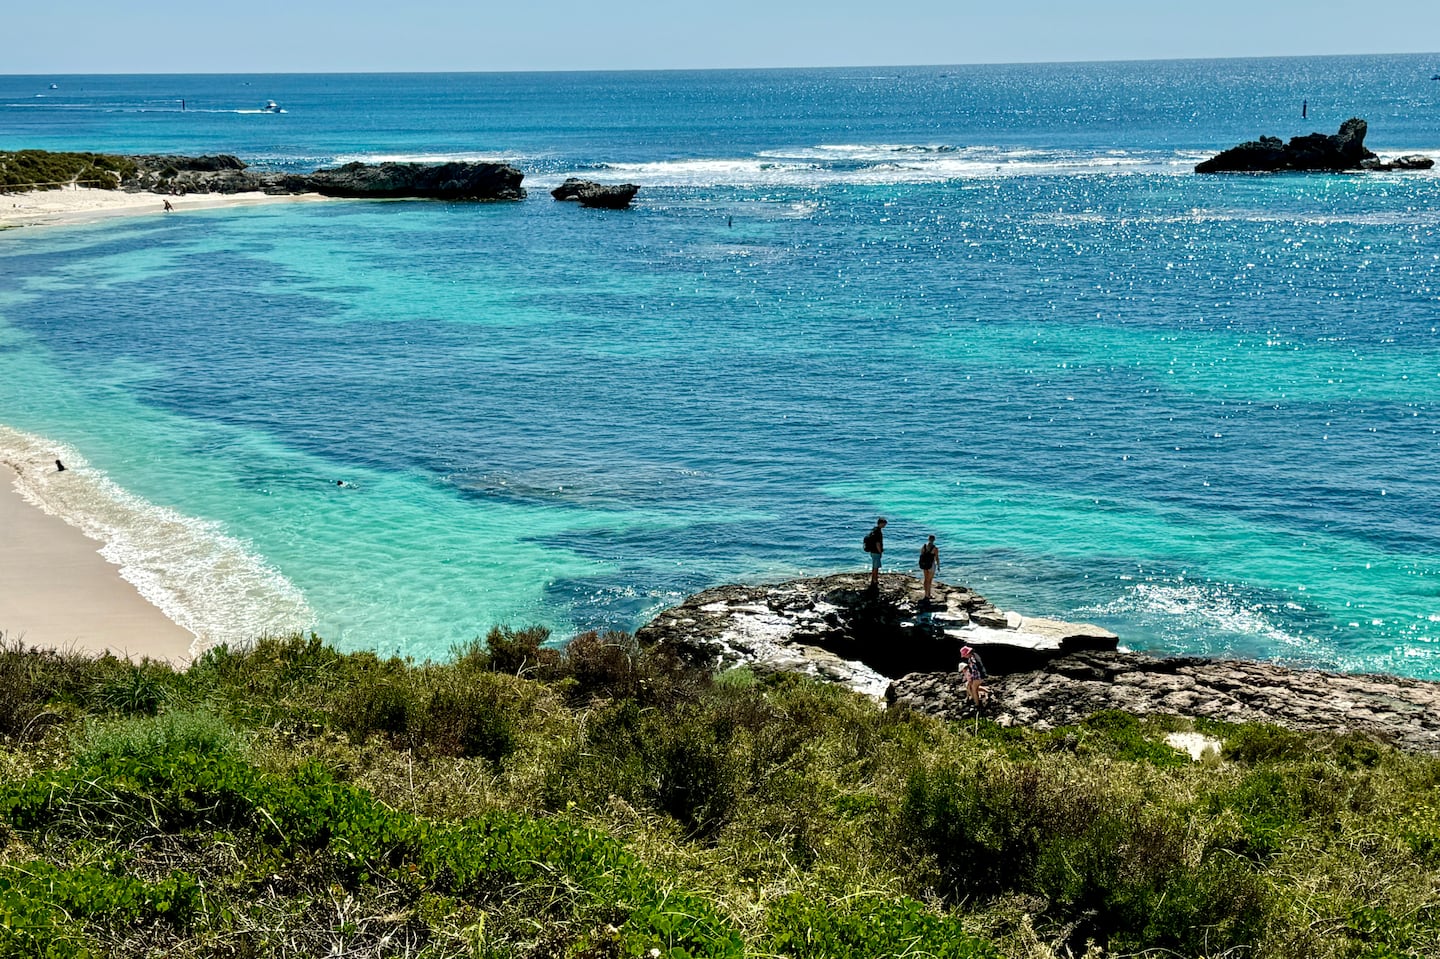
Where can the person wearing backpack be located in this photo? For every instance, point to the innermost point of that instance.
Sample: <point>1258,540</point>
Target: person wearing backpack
<point>929,563</point>
<point>874,544</point>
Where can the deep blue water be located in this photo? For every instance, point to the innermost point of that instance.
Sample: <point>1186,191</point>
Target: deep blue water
<point>990,302</point>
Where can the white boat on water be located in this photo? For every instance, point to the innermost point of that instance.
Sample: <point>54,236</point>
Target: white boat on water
<point>272,107</point>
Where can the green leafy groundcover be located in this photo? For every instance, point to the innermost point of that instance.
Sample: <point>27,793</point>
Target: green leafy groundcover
<point>307,813</point>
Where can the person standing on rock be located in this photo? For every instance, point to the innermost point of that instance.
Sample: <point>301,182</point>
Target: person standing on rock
<point>972,673</point>
<point>875,545</point>
<point>929,563</point>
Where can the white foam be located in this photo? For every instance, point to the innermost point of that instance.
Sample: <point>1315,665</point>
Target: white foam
<point>1211,606</point>
<point>462,157</point>
<point>199,576</point>
<point>882,163</point>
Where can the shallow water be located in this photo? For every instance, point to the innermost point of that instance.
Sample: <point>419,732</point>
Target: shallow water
<point>988,302</point>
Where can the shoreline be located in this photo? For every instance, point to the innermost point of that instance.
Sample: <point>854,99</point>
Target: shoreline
<point>57,591</point>
<point>73,206</point>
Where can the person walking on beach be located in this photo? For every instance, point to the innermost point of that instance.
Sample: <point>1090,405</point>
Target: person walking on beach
<point>875,545</point>
<point>972,673</point>
<point>169,208</point>
<point>929,563</point>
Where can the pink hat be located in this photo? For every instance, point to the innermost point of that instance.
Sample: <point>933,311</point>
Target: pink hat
<point>964,651</point>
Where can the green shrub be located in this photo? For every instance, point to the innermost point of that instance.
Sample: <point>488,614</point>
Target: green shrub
<point>456,715</point>
<point>603,665</point>
<point>1125,737</point>
<point>151,739</point>
<point>682,763</point>
<point>45,170</point>
<point>869,927</point>
<point>134,689</point>
<point>31,679</point>
<point>1111,868</point>
<point>1264,743</point>
<point>520,652</point>
<point>581,876</point>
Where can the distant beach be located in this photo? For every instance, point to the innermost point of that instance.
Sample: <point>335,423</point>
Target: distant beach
<point>75,205</point>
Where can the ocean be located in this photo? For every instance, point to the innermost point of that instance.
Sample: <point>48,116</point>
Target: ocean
<point>992,303</point>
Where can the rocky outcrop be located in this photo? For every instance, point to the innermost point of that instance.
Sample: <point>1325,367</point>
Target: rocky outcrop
<point>1410,161</point>
<point>890,643</point>
<point>435,181</point>
<point>227,174</point>
<point>1315,152</point>
<point>592,194</point>
<point>838,628</point>
<point>1069,688</point>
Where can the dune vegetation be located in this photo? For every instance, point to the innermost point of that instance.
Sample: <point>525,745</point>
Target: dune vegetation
<point>603,801</point>
<point>24,170</point>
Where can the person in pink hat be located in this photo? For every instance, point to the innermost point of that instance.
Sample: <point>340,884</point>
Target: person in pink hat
<point>972,673</point>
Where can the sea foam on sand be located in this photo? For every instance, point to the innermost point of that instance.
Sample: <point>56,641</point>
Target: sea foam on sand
<point>84,563</point>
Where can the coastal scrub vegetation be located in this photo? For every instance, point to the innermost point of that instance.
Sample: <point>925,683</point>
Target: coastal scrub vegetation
<point>604,801</point>
<point>25,170</point>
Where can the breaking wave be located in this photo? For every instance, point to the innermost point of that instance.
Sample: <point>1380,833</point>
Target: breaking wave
<point>203,579</point>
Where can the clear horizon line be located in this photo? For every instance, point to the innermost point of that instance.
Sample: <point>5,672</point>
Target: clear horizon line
<point>732,69</point>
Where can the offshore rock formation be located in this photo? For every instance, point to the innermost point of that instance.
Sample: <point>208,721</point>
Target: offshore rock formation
<point>1065,690</point>
<point>838,628</point>
<point>1044,673</point>
<point>1410,161</point>
<point>1315,152</point>
<point>443,181</point>
<point>592,194</point>
<point>227,174</point>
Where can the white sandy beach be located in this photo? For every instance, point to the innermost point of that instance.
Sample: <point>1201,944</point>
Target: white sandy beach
<point>73,205</point>
<point>56,590</point>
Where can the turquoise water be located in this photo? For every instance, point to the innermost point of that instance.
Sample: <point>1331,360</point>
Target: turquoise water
<point>989,302</point>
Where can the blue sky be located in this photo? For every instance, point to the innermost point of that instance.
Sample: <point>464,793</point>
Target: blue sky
<point>262,36</point>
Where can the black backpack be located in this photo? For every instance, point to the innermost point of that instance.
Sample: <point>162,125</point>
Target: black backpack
<point>869,542</point>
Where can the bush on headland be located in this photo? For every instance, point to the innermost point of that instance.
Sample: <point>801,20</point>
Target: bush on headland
<point>25,170</point>
<point>604,800</point>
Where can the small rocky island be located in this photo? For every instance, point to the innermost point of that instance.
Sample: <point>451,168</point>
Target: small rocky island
<point>891,644</point>
<point>598,195</point>
<point>1312,153</point>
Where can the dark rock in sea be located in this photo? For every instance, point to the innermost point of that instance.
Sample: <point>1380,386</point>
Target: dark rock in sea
<point>438,181</point>
<point>1411,161</point>
<point>226,174</point>
<point>1067,689</point>
<point>1315,152</point>
<point>592,194</point>
<point>838,628</point>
